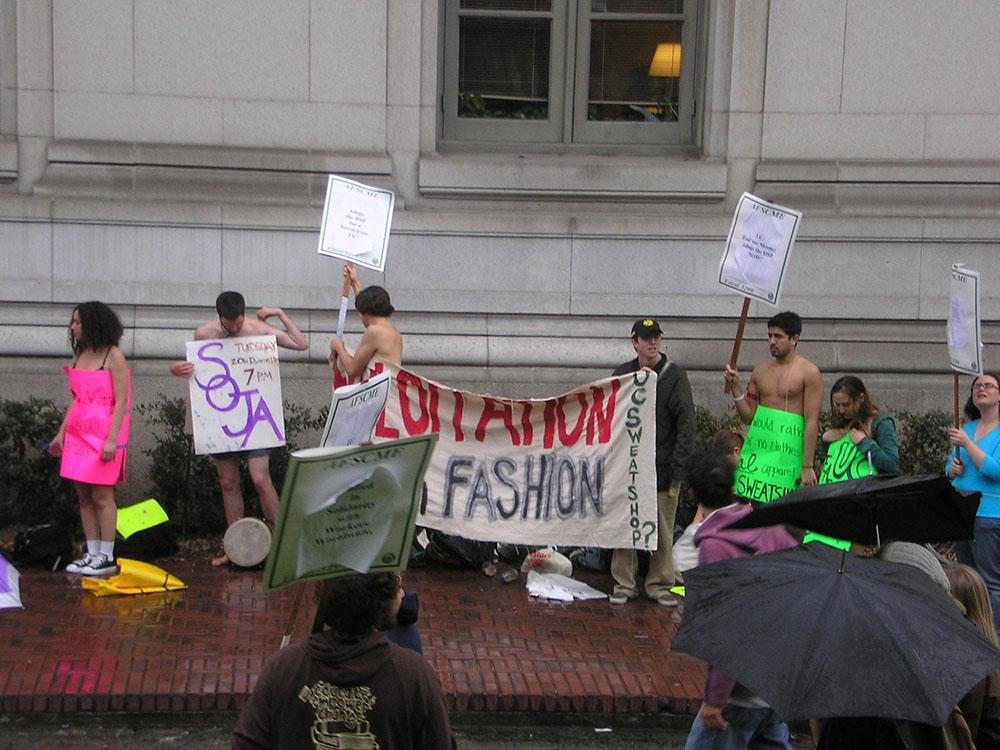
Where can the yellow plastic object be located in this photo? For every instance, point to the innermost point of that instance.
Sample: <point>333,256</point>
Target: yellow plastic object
<point>134,577</point>
<point>677,590</point>
<point>140,516</point>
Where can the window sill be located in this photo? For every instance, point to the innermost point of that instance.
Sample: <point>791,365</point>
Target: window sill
<point>573,177</point>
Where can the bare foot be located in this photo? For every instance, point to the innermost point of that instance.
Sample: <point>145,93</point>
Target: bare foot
<point>218,562</point>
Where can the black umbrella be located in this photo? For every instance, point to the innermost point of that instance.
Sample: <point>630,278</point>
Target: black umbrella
<point>919,509</point>
<point>818,633</point>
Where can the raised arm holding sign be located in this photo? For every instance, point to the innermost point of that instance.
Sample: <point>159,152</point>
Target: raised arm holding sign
<point>756,256</point>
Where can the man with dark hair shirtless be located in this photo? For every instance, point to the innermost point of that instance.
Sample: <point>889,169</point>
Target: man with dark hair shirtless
<point>232,322</point>
<point>381,341</point>
<point>781,403</point>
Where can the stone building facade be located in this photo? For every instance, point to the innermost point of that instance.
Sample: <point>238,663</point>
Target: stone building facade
<point>154,153</point>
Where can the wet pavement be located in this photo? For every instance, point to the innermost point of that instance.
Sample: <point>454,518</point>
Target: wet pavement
<point>496,650</point>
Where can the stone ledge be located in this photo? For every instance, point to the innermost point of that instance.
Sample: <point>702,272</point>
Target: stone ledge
<point>118,171</point>
<point>8,161</point>
<point>881,189</point>
<point>572,177</point>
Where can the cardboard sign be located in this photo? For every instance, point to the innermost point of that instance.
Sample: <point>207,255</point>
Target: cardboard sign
<point>348,510</point>
<point>356,221</point>
<point>843,461</point>
<point>236,394</point>
<point>964,335</point>
<point>574,469</point>
<point>354,411</point>
<point>757,250</point>
<point>771,460</point>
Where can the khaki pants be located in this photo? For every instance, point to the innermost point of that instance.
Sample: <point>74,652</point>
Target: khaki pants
<point>660,578</point>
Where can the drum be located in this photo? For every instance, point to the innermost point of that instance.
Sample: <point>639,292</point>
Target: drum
<point>247,542</point>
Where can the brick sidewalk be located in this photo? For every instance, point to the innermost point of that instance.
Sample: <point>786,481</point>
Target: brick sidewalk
<point>494,648</point>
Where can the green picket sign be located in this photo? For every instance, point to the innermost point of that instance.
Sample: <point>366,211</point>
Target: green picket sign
<point>843,461</point>
<point>771,460</point>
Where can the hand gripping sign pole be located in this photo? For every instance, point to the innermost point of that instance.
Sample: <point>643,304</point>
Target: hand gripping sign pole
<point>756,257</point>
<point>964,330</point>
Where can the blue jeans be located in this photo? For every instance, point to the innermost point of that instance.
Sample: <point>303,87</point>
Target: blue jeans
<point>986,554</point>
<point>748,727</point>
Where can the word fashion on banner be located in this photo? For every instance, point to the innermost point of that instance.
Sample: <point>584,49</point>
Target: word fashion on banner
<point>575,469</point>
<point>236,394</point>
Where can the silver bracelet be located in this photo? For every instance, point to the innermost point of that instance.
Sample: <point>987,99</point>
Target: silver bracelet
<point>740,397</point>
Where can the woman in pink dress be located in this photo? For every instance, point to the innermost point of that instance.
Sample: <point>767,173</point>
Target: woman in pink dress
<point>94,435</point>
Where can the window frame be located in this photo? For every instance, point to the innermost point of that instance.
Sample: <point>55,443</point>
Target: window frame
<point>569,70</point>
<point>591,131</point>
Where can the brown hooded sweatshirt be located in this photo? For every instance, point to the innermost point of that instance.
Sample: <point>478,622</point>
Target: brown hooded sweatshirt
<point>336,691</point>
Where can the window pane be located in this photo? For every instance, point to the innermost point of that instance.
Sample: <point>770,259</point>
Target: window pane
<point>543,5</point>
<point>637,6</point>
<point>624,84</point>
<point>503,68</point>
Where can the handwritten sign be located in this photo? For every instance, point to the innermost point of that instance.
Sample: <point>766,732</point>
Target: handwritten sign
<point>356,221</point>
<point>964,334</point>
<point>354,411</point>
<point>757,250</point>
<point>347,510</point>
<point>236,394</point>
<point>843,461</point>
<point>771,460</point>
<point>573,469</point>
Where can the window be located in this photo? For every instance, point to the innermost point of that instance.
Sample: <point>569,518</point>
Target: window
<point>569,71</point>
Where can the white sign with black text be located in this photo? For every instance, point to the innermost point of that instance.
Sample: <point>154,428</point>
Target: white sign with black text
<point>356,222</point>
<point>757,250</point>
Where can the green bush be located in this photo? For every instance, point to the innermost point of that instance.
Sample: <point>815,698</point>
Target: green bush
<point>33,492</point>
<point>923,441</point>
<point>186,484</point>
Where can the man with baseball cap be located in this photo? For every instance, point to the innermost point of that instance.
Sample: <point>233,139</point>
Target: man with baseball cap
<point>675,430</point>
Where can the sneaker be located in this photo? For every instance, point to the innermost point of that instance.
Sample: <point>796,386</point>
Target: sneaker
<point>666,601</point>
<point>78,565</point>
<point>99,567</point>
<point>618,599</point>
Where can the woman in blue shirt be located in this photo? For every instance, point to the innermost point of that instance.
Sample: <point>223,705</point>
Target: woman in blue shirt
<point>975,466</point>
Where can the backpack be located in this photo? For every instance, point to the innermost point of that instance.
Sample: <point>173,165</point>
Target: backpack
<point>48,546</point>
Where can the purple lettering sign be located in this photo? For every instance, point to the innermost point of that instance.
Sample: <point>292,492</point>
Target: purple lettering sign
<point>236,394</point>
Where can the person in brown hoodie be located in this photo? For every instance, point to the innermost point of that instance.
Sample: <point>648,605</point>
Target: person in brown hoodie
<point>348,686</point>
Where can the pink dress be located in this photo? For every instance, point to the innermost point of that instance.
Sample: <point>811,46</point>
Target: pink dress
<point>87,426</point>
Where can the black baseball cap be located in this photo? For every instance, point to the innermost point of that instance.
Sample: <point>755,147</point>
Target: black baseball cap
<point>646,328</point>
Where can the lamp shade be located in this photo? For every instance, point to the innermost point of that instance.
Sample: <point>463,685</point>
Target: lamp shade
<point>666,61</point>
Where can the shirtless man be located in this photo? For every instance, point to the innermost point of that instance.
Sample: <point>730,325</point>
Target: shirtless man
<point>788,383</point>
<point>232,322</point>
<point>381,340</point>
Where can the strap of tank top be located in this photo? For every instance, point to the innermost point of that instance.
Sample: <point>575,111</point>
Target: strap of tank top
<point>103,361</point>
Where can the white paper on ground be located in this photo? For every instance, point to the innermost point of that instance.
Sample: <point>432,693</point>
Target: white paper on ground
<point>559,587</point>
